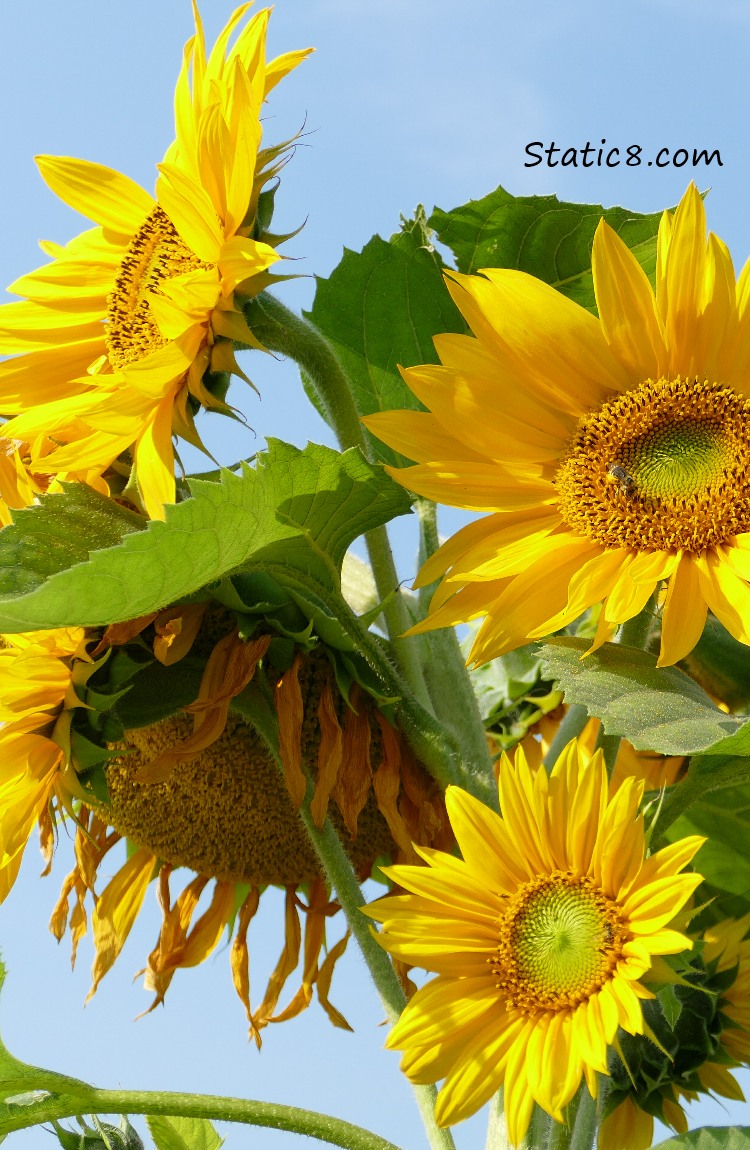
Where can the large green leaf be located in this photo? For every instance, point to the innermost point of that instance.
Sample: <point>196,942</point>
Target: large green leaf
<point>542,236</point>
<point>58,534</point>
<point>380,309</point>
<point>710,1138</point>
<point>723,817</point>
<point>656,709</point>
<point>294,515</point>
<point>183,1133</point>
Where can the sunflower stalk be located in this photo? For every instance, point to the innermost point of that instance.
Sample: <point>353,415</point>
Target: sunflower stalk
<point>340,873</point>
<point>281,330</point>
<point>576,718</point>
<point>445,672</point>
<point>273,1115</point>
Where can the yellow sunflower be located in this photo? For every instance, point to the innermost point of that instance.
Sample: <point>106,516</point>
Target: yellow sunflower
<point>36,672</point>
<point>540,938</point>
<point>613,453</point>
<point>114,337</point>
<point>200,790</point>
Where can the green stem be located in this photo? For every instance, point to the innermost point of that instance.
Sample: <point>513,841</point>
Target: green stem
<point>580,1128</point>
<point>280,330</point>
<point>338,869</point>
<point>586,1122</point>
<point>576,718</point>
<point>610,745</point>
<point>636,632</point>
<point>446,675</point>
<point>497,1127</point>
<point>219,1109</point>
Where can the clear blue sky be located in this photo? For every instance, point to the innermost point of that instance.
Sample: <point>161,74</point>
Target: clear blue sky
<point>404,102</point>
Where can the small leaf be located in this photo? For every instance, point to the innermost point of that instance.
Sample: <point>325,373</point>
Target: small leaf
<point>380,309</point>
<point>710,1138</point>
<point>183,1133</point>
<point>295,515</point>
<point>670,1004</point>
<point>543,236</point>
<point>656,709</point>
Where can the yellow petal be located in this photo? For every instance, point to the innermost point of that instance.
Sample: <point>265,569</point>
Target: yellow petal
<point>104,195</point>
<point>684,614</point>
<point>627,307</point>
<point>192,212</point>
<point>117,909</point>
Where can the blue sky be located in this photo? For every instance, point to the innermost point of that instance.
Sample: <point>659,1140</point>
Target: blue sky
<point>404,102</point>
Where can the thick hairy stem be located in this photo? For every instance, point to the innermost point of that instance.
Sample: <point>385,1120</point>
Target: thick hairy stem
<point>281,330</point>
<point>271,1114</point>
<point>338,869</point>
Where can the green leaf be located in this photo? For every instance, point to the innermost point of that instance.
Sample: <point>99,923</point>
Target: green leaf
<point>542,236</point>
<point>723,817</point>
<point>380,309</point>
<point>294,515</point>
<point>183,1133</point>
<point>59,533</point>
<point>710,1138</point>
<point>670,1005</point>
<point>656,709</point>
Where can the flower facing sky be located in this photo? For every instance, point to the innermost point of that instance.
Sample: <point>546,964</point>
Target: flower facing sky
<point>115,335</point>
<point>541,938</point>
<point>612,453</point>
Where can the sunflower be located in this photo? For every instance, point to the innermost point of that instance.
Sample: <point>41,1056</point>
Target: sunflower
<point>613,453</point>
<point>190,784</point>
<point>540,938</point>
<point>115,335</point>
<point>697,1049</point>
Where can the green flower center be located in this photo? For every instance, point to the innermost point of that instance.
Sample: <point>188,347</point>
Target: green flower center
<point>662,467</point>
<point>560,941</point>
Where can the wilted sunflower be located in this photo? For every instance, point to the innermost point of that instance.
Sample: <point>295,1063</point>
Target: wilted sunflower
<point>695,1049</point>
<point>540,938</point>
<point>116,334</point>
<point>614,453</point>
<point>130,735</point>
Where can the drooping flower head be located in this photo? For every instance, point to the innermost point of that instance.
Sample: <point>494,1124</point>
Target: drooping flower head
<point>542,938</point>
<point>613,453</point>
<point>130,736</point>
<point>116,334</point>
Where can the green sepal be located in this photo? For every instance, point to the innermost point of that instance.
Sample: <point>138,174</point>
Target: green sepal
<point>100,1136</point>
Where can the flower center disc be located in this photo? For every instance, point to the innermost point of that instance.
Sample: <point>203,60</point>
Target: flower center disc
<point>156,253</point>
<point>662,467</point>
<point>226,814</point>
<point>560,940</point>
